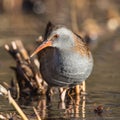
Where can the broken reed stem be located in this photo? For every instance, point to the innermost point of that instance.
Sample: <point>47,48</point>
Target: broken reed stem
<point>22,50</point>
<point>39,81</point>
<point>40,39</point>
<point>18,91</point>
<point>25,66</point>
<point>5,93</point>
<point>71,97</point>
<point>15,105</point>
<point>74,16</point>
<point>6,85</point>
<point>37,115</point>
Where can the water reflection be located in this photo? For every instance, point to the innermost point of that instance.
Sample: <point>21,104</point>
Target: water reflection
<point>41,107</point>
<point>72,108</point>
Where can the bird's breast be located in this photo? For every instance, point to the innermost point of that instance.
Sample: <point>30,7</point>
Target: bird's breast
<point>65,67</point>
<point>71,64</point>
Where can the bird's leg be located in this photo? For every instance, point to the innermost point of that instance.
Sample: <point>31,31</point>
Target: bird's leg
<point>83,88</point>
<point>62,105</point>
<point>77,89</point>
<point>80,89</point>
<point>62,93</point>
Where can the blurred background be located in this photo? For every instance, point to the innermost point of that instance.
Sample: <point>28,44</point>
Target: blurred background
<point>97,21</point>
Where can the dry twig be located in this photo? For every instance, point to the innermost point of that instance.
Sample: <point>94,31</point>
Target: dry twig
<point>7,94</point>
<point>37,115</point>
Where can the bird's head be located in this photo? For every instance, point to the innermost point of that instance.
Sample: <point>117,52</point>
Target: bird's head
<point>61,38</point>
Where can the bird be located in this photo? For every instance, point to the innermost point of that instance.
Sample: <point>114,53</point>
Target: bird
<point>65,59</point>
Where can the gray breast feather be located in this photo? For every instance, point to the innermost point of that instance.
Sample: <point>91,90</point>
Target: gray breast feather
<point>65,70</point>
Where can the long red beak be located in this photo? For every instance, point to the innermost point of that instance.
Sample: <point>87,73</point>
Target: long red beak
<point>42,46</point>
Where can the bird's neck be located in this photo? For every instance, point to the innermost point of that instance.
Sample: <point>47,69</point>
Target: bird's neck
<point>81,47</point>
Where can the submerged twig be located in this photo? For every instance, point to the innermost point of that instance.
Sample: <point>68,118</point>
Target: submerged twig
<point>37,115</point>
<point>7,94</point>
<point>15,105</point>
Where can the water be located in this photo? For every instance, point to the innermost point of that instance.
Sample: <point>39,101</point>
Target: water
<point>103,86</point>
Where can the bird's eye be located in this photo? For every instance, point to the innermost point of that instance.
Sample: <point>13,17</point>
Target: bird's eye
<point>53,37</point>
<point>56,36</point>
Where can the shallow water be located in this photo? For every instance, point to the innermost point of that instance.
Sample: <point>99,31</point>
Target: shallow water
<point>103,86</point>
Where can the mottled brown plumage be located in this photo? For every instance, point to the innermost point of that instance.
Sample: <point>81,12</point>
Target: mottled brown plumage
<point>81,46</point>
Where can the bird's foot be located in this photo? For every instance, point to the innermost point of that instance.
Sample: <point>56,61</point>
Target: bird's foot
<point>62,94</point>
